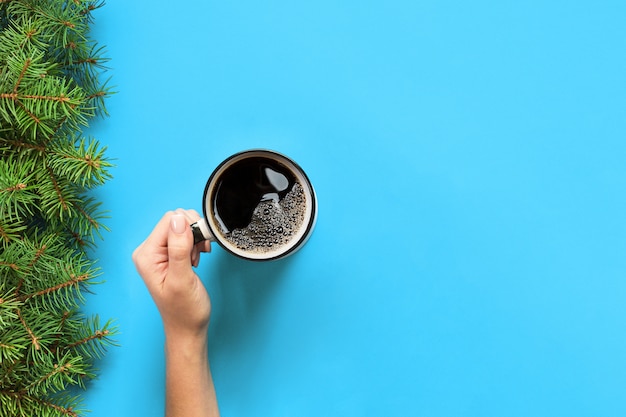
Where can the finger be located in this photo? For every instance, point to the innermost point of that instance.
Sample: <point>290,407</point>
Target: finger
<point>191,215</point>
<point>195,257</point>
<point>147,253</point>
<point>200,247</point>
<point>158,236</point>
<point>179,247</point>
<point>204,246</point>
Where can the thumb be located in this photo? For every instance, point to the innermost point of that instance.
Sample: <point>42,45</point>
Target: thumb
<point>179,246</point>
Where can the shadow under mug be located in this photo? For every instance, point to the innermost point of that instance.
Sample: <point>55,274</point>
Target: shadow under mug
<point>258,205</point>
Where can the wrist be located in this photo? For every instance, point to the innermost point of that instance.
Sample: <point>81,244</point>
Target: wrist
<point>189,330</point>
<point>187,351</point>
<point>185,339</point>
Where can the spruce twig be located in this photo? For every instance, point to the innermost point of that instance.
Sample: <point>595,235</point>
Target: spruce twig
<point>50,87</point>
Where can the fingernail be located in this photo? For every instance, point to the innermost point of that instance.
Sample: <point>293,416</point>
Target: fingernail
<point>178,224</point>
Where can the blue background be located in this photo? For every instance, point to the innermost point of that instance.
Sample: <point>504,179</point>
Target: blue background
<point>469,160</point>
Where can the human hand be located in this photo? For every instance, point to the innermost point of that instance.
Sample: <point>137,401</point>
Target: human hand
<point>164,261</point>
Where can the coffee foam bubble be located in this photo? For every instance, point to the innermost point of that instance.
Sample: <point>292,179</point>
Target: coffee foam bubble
<point>274,224</point>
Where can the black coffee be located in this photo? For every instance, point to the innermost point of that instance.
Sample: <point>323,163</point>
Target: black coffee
<point>259,204</point>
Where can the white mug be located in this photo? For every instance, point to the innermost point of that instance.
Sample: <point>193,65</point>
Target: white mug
<point>258,205</point>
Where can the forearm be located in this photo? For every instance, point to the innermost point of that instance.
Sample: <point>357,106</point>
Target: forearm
<point>189,385</point>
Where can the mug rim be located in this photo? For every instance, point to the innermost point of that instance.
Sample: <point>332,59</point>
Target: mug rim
<point>218,234</point>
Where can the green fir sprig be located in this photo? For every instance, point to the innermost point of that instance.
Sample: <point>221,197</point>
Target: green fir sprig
<point>50,87</point>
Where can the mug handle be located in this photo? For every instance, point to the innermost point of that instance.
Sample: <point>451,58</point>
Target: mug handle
<point>201,232</point>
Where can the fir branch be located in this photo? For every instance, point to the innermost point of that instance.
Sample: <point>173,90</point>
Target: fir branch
<point>22,404</point>
<point>24,34</point>
<point>58,374</point>
<point>27,63</point>
<point>83,163</point>
<point>9,305</point>
<point>36,257</point>
<point>59,410</point>
<point>12,373</point>
<point>85,222</point>
<point>60,99</point>
<point>51,377</point>
<point>56,198</point>
<point>91,339</point>
<point>12,346</point>
<point>60,289</point>
<point>98,334</point>
<point>20,145</point>
<point>40,252</point>
<point>34,339</point>
<point>9,232</point>
<point>59,342</point>
<point>61,18</point>
<point>9,265</point>
<point>16,191</point>
<point>50,88</point>
<point>78,240</point>
<point>74,281</point>
<point>40,326</point>
<point>17,187</point>
<point>38,101</point>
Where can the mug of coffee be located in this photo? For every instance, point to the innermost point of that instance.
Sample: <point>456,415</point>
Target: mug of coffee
<point>258,205</point>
